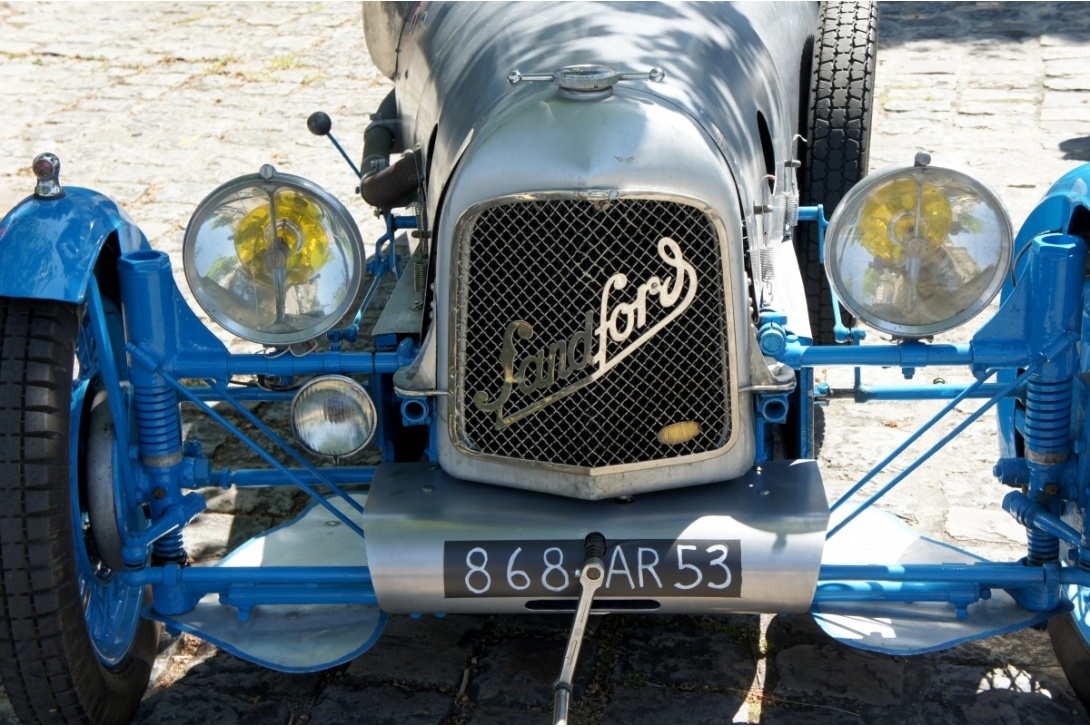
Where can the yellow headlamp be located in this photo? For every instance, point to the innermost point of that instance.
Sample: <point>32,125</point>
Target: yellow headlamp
<point>301,238</point>
<point>273,258</point>
<point>914,251</point>
<point>890,219</point>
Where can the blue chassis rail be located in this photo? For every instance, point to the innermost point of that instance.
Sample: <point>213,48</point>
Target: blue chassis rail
<point>1007,345</point>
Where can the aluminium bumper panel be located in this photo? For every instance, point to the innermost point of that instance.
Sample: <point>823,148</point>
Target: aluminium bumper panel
<point>437,544</point>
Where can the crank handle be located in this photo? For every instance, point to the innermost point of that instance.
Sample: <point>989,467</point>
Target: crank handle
<point>590,579</point>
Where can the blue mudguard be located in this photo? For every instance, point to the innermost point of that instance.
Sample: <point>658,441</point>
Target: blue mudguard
<point>1053,214</point>
<point>48,247</point>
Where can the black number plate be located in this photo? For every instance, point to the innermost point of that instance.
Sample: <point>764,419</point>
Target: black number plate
<point>641,568</point>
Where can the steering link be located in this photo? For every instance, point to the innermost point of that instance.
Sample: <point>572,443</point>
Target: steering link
<point>590,579</point>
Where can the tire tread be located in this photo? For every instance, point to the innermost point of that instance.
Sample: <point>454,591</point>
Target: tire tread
<point>47,663</point>
<point>838,138</point>
<point>1073,653</point>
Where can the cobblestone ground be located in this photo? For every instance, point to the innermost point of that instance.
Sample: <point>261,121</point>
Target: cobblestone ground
<point>156,104</point>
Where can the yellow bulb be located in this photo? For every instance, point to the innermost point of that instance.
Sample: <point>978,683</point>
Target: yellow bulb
<point>902,211</point>
<point>301,236</point>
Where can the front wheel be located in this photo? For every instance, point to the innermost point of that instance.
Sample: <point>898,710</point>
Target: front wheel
<point>73,647</point>
<point>1070,633</point>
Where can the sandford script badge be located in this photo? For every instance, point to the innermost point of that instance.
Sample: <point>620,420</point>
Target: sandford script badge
<point>617,325</point>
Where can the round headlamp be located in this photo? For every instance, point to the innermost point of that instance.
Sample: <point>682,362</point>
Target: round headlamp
<point>273,258</point>
<point>914,251</point>
<point>333,416</point>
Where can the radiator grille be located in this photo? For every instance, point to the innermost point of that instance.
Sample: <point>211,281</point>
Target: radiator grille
<point>546,263</point>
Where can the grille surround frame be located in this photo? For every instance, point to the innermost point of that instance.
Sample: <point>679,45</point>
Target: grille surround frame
<point>735,366</point>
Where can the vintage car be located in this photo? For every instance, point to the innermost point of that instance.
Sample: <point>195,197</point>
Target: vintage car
<point>592,387</point>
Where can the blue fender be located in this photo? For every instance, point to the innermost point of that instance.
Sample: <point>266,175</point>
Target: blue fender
<point>48,247</point>
<point>1053,214</point>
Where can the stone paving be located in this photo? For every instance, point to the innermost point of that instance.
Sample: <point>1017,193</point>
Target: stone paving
<point>156,104</point>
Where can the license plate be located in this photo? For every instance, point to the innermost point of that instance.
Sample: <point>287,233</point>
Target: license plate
<point>634,568</point>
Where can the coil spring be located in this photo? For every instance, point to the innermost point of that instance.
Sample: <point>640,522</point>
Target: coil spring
<point>1042,548</point>
<point>420,274</point>
<point>170,549</point>
<point>1047,431</point>
<point>768,264</point>
<point>1048,415</point>
<point>791,218</point>
<point>158,424</point>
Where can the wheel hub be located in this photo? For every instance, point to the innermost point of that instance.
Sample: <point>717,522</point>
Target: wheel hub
<point>101,505</point>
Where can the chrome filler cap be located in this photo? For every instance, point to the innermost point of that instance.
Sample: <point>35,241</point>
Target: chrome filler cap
<point>47,168</point>
<point>587,80</point>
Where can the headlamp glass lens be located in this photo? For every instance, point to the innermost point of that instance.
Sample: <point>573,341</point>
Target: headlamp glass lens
<point>333,416</point>
<point>299,246</point>
<point>918,250</point>
<point>273,260</point>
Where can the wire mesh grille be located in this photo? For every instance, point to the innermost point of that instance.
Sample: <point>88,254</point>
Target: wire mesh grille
<point>554,265</point>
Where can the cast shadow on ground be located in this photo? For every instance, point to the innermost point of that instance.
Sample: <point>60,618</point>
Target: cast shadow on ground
<point>813,679</point>
<point>1012,22</point>
<point>1076,149</point>
<point>480,670</point>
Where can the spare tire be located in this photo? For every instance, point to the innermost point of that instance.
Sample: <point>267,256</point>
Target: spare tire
<point>836,127</point>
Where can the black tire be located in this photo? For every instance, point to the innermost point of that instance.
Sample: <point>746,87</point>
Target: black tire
<point>793,437</point>
<point>1073,653</point>
<point>836,124</point>
<point>48,660</point>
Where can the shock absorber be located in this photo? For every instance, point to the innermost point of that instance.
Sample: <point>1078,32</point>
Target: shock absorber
<point>146,289</point>
<point>1047,436</point>
<point>1056,269</point>
<point>160,439</point>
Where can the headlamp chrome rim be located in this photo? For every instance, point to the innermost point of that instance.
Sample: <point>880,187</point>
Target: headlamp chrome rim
<point>370,413</point>
<point>848,212</point>
<point>272,181</point>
